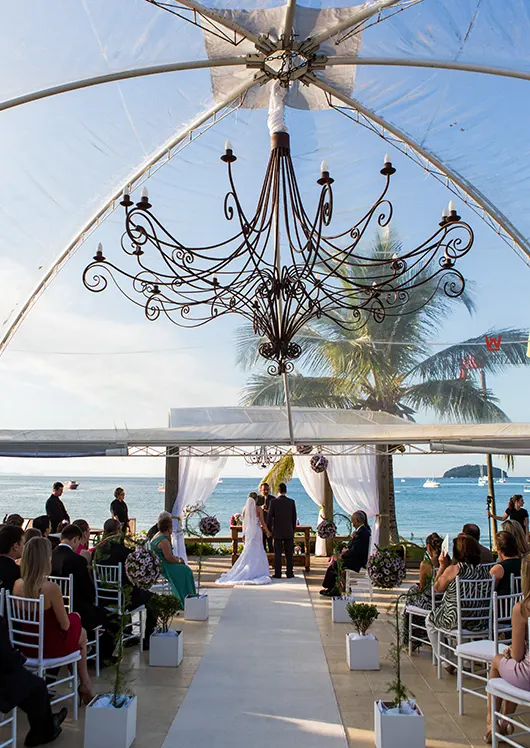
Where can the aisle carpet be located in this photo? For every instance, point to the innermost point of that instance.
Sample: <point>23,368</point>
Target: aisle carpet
<point>264,680</point>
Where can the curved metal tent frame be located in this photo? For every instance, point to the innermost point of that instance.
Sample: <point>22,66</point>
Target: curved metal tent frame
<point>392,134</point>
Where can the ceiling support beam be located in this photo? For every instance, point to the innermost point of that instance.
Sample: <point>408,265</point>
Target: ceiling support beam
<point>411,62</point>
<point>119,75</point>
<point>360,14</point>
<point>461,187</point>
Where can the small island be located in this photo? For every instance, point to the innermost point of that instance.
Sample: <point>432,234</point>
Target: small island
<point>473,471</point>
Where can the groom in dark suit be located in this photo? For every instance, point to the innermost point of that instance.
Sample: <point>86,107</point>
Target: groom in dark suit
<point>282,523</point>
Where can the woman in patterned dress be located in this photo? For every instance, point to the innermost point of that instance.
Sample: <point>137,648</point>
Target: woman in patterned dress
<point>419,594</point>
<point>513,665</point>
<point>465,565</point>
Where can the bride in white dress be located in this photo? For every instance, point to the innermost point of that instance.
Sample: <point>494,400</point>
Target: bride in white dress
<point>252,567</point>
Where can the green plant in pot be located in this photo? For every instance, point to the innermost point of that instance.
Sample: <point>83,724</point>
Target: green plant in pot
<point>165,608</point>
<point>362,616</point>
<point>396,686</point>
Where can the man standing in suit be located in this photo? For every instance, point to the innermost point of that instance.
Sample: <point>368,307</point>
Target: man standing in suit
<point>66,561</point>
<point>264,501</point>
<point>55,509</point>
<point>11,547</point>
<point>282,523</point>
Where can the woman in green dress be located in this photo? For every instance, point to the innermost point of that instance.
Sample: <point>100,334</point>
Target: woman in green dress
<point>178,574</point>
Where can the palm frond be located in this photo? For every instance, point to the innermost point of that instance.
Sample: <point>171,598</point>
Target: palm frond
<point>281,472</point>
<point>456,400</point>
<point>311,392</point>
<point>448,362</point>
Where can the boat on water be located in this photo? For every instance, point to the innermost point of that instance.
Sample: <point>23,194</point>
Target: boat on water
<point>482,481</point>
<point>403,480</point>
<point>526,489</point>
<point>72,485</point>
<point>431,483</point>
<point>220,480</point>
<point>161,488</point>
<point>502,480</point>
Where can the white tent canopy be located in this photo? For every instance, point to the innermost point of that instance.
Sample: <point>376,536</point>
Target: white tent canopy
<point>246,427</point>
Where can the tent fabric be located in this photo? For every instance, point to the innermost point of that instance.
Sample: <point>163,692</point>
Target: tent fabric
<point>66,158</point>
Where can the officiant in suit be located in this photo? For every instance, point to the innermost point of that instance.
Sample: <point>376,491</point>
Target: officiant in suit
<point>281,521</point>
<point>264,500</point>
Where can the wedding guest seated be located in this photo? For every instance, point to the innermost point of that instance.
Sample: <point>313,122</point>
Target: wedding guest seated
<point>42,523</point>
<point>515,529</point>
<point>14,519</point>
<point>32,532</point>
<point>63,632</point>
<point>466,564</point>
<point>420,595</point>
<point>25,690</point>
<point>486,556</point>
<point>83,547</point>
<point>112,552</point>
<point>354,557</point>
<point>66,561</point>
<point>509,563</point>
<point>179,575</point>
<point>11,547</point>
<point>514,664</point>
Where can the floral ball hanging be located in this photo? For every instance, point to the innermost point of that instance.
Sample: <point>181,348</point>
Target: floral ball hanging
<point>209,525</point>
<point>304,449</point>
<point>143,568</point>
<point>318,463</point>
<point>327,529</point>
<point>386,569</point>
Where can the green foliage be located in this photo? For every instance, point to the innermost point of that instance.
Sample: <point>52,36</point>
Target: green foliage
<point>121,689</point>
<point>164,607</point>
<point>198,548</point>
<point>281,472</point>
<point>396,686</point>
<point>362,615</point>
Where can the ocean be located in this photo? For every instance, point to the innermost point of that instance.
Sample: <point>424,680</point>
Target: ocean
<point>419,510</point>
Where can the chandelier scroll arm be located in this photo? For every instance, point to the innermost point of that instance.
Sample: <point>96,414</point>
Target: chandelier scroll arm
<point>450,178</point>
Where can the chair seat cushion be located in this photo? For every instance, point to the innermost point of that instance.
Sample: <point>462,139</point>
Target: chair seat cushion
<point>499,687</point>
<point>415,611</point>
<point>483,649</point>
<point>52,662</point>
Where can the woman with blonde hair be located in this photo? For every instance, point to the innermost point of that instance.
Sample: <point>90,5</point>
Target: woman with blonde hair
<point>63,633</point>
<point>513,665</point>
<point>514,527</point>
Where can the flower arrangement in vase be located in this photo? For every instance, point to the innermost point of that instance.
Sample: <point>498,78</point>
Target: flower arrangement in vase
<point>386,568</point>
<point>236,520</point>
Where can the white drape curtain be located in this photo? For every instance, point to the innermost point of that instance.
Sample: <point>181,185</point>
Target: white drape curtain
<point>198,477</point>
<point>353,478</point>
<point>313,484</point>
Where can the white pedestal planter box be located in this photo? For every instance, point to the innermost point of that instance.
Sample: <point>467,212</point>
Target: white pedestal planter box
<point>196,608</point>
<point>108,727</point>
<point>362,652</point>
<point>398,730</point>
<point>165,650</point>
<point>338,609</point>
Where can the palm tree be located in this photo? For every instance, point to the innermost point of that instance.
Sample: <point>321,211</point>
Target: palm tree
<point>391,366</point>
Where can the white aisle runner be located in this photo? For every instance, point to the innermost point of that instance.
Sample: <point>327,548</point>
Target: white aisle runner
<point>264,680</point>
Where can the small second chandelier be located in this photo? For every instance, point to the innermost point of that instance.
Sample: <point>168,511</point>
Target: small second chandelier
<point>278,269</point>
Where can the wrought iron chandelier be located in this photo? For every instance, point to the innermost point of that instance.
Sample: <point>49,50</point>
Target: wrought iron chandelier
<point>264,457</point>
<point>279,270</point>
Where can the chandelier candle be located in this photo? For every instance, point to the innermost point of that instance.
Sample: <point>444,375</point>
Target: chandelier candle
<point>278,268</point>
